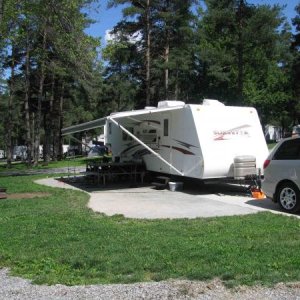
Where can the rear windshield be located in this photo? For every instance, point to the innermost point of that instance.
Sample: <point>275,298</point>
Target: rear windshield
<point>288,150</point>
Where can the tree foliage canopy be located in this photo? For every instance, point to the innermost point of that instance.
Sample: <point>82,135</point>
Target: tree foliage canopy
<point>53,74</point>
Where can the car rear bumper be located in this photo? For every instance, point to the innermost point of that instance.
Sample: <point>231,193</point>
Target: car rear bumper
<point>269,189</point>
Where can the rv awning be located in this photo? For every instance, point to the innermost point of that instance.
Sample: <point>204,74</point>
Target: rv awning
<point>84,126</point>
<point>121,116</point>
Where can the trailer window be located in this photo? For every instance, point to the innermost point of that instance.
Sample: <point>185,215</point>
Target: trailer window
<point>109,128</point>
<point>125,136</point>
<point>166,127</point>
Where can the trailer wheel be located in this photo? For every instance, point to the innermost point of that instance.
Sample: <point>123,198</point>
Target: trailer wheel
<point>288,197</point>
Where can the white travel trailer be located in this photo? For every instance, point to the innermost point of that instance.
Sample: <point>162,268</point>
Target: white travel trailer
<point>198,141</point>
<point>20,153</point>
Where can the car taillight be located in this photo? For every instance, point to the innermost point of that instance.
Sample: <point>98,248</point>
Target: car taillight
<point>266,163</point>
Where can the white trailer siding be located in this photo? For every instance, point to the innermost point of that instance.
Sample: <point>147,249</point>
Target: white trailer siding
<point>186,146</point>
<point>180,145</point>
<point>204,140</point>
<point>227,132</point>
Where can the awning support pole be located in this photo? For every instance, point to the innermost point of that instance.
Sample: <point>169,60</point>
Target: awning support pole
<point>78,141</point>
<point>145,146</point>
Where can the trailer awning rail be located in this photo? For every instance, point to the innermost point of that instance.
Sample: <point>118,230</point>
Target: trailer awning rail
<point>84,126</point>
<point>101,122</point>
<point>145,146</point>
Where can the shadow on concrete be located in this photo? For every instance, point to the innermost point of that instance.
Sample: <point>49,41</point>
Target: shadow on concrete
<point>234,195</point>
<point>264,203</point>
<point>269,205</point>
<point>192,187</point>
<point>89,186</point>
<point>217,188</point>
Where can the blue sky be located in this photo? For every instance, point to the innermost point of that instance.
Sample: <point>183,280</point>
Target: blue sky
<point>107,18</point>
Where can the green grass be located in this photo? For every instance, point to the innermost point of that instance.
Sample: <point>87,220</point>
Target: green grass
<point>56,239</point>
<point>22,166</point>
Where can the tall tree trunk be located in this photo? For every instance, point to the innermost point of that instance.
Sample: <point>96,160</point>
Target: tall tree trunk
<point>176,85</point>
<point>167,53</point>
<point>46,154</point>
<point>57,139</point>
<point>32,125</point>
<point>55,128</point>
<point>240,51</point>
<point>61,104</point>
<point>26,104</point>
<point>39,105</point>
<point>148,53</point>
<point>1,12</point>
<point>9,144</point>
<point>48,125</point>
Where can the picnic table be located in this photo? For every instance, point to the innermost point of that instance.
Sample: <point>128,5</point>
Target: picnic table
<point>109,171</point>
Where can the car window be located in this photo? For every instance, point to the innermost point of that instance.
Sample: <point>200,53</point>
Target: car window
<point>288,150</point>
<point>296,130</point>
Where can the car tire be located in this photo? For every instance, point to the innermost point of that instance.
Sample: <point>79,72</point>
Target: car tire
<point>288,197</point>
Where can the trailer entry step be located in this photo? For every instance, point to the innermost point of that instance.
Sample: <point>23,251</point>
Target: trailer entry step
<point>159,185</point>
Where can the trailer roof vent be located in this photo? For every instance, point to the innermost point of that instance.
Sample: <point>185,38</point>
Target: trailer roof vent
<point>170,103</point>
<point>212,102</point>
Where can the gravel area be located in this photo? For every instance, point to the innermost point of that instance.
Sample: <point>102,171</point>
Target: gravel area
<point>17,288</point>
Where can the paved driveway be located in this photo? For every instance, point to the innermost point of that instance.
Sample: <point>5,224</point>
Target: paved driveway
<point>207,200</point>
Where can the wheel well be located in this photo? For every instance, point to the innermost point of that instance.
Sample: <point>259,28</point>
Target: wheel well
<point>279,184</point>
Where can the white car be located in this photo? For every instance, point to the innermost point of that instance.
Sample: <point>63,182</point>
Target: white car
<point>97,150</point>
<point>282,174</point>
<point>296,130</point>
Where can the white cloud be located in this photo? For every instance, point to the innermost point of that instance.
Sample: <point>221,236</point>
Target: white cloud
<point>109,36</point>
<point>136,37</point>
<point>133,38</point>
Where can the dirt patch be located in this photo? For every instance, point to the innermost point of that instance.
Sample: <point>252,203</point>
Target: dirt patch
<point>27,195</point>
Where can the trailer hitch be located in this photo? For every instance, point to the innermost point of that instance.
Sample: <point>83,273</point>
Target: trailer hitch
<point>255,186</point>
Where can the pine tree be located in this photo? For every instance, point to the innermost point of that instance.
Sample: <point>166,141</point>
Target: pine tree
<point>174,47</point>
<point>51,57</point>
<point>296,68</point>
<point>142,11</point>
<point>242,53</point>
